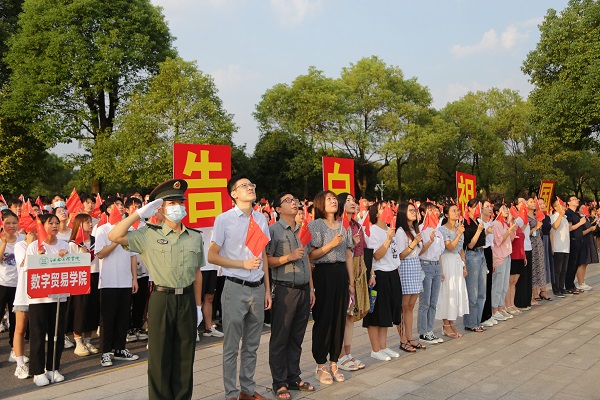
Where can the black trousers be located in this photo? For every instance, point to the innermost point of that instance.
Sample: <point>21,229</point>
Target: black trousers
<point>573,264</point>
<point>487,307</point>
<point>524,286</point>
<point>329,311</point>
<point>7,298</point>
<point>42,321</point>
<point>138,303</point>
<point>114,308</point>
<point>289,317</point>
<point>561,261</point>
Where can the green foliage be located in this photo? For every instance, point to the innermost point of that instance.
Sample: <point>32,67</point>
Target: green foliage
<point>9,12</point>
<point>180,105</point>
<point>564,69</point>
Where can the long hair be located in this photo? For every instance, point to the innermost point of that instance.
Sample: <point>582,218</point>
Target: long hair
<point>402,220</point>
<point>373,211</point>
<point>446,210</point>
<point>77,222</point>
<point>319,204</point>
<point>341,198</point>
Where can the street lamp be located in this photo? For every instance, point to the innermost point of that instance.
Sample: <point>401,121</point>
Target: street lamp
<point>380,187</point>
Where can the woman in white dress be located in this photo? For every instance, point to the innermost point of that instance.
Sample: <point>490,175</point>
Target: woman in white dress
<point>453,301</point>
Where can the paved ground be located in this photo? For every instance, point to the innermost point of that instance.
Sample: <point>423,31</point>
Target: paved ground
<point>550,352</point>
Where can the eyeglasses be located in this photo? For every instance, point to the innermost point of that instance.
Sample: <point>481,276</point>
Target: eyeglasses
<point>289,200</point>
<point>246,186</point>
<point>412,210</point>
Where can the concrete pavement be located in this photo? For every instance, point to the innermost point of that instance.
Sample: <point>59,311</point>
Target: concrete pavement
<point>549,352</point>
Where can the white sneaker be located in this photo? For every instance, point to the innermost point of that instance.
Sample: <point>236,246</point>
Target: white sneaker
<point>141,335</point>
<point>41,380</point>
<point>585,287</point>
<point>81,350</point>
<point>131,336</point>
<point>499,317</point>
<point>488,323</point>
<point>391,352</point>
<point>507,315</point>
<point>13,358</point>
<point>106,361</point>
<point>58,377</point>
<point>197,338</point>
<point>68,343</point>
<point>380,355</point>
<point>22,371</point>
<point>213,332</point>
<point>437,339</point>
<point>91,348</point>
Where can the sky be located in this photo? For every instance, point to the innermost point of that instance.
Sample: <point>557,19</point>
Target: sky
<point>450,46</point>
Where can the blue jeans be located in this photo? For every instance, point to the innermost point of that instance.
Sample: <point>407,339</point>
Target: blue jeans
<point>476,281</point>
<point>429,296</point>
<point>500,282</point>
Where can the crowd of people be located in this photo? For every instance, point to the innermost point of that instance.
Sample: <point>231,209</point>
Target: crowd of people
<point>337,258</point>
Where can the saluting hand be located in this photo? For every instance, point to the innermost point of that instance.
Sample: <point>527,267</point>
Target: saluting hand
<point>149,209</point>
<point>252,263</point>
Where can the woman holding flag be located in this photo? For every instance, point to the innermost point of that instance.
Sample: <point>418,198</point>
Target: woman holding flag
<point>333,278</point>
<point>85,308</point>
<point>410,243</point>
<point>360,302</point>
<point>503,230</point>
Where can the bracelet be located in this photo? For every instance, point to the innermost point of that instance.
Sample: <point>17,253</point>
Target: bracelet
<point>372,276</point>
<point>312,289</point>
<point>411,248</point>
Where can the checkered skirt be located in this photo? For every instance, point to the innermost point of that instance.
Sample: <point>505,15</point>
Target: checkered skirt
<point>410,275</point>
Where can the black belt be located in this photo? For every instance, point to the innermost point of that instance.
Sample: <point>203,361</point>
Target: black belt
<point>245,283</point>
<point>478,249</point>
<point>291,284</point>
<point>169,290</point>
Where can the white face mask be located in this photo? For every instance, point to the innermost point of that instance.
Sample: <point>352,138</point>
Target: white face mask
<point>175,213</point>
<point>59,203</point>
<point>48,208</point>
<point>3,208</point>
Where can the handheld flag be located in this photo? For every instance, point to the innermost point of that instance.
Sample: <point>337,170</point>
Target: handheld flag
<point>539,214</point>
<point>103,219</point>
<point>562,203</point>
<point>80,238</point>
<point>256,240</point>
<point>466,216</point>
<point>387,215</point>
<point>362,204</point>
<point>41,233</point>
<point>38,201</point>
<point>96,212</point>
<point>115,215</point>
<point>500,218</point>
<point>367,225</point>
<point>73,203</point>
<point>477,212</point>
<point>304,234</point>
<point>345,221</point>
<point>307,216</point>
<point>430,220</point>
<point>586,211</point>
<point>513,211</point>
<point>523,212</point>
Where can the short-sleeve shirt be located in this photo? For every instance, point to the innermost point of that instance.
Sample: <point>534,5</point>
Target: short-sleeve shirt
<point>229,233</point>
<point>322,234</point>
<point>9,275</point>
<point>403,241</point>
<point>115,268</point>
<point>55,248</point>
<point>436,249</point>
<point>561,242</point>
<point>172,258</point>
<point>470,231</point>
<point>391,260</point>
<point>449,235</point>
<point>284,240</point>
<point>574,218</point>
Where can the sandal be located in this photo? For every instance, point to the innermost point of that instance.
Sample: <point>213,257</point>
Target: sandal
<point>359,364</point>
<point>347,364</point>
<point>325,377</point>
<point>283,393</point>
<point>418,344</point>
<point>534,302</point>
<point>545,296</point>
<point>407,347</point>
<point>476,329</point>
<point>337,375</point>
<point>453,335</point>
<point>301,386</point>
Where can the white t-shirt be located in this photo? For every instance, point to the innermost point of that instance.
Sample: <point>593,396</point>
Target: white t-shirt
<point>32,249</point>
<point>489,237</point>
<point>21,298</point>
<point>403,241</point>
<point>64,236</point>
<point>526,232</point>
<point>9,276</point>
<point>390,261</point>
<point>74,248</point>
<point>206,235</point>
<point>436,249</point>
<point>115,269</point>
<point>562,237</point>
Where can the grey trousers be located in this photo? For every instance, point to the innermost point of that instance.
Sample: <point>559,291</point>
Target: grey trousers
<point>243,316</point>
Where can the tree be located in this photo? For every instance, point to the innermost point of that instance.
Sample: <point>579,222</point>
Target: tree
<point>180,105</point>
<point>74,63</point>
<point>564,69</point>
<point>9,16</point>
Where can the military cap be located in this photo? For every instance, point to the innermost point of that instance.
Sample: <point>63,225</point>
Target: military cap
<point>173,189</point>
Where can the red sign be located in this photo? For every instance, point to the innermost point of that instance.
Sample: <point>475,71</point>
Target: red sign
<point>546,192</point>
<point>338,175</point>
<point>206,168</point>
<point>49,274</point>
<point>465,189</point>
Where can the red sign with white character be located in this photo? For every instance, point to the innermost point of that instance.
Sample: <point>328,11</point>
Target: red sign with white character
<point>49,274</point>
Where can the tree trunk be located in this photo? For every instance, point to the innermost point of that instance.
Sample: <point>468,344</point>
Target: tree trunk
<point>96,186</point>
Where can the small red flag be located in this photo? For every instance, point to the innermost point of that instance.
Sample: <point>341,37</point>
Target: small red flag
<point>304,234</point>
<point>256,240</point>
<point>466,216</point>
<point>477,212</point>
<point>367,225</point>
<point>430,220</point>
<point>136,224</point>
<point>257,207</point>
<point>272,220</point>
<point>38,201</point>
<point>96,212</point>
<point>41,233</point>
<point>103,219</point>
<point>362,204</point>
<point>115,215</point>
<point>539,214</point>
<point>387,215</point>
<point>2,198</point>
<point>523,212</point>
<point>307,216</point>
<point>74,204</point>
<point>268,208</point>
<point>500,218</point>
<point>153,220</point>
<point>345,221</point>
<point>22,198</point>
<point>80,238</point>
<point>513,211</point>
<point>562,203</point>
<point>586,211</point>
<point>27,220</point>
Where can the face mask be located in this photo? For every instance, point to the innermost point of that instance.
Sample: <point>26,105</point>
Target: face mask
<point>175,213</point>
<point>3,208</point>
<point>59,204</point>
<point>48,208</point>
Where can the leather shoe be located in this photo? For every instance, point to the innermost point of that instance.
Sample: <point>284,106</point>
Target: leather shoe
<point>256,395</point>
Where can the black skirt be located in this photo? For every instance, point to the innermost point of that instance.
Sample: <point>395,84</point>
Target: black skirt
<point>517,267</point>
<point>388,306</point>
<point>85,308</point>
